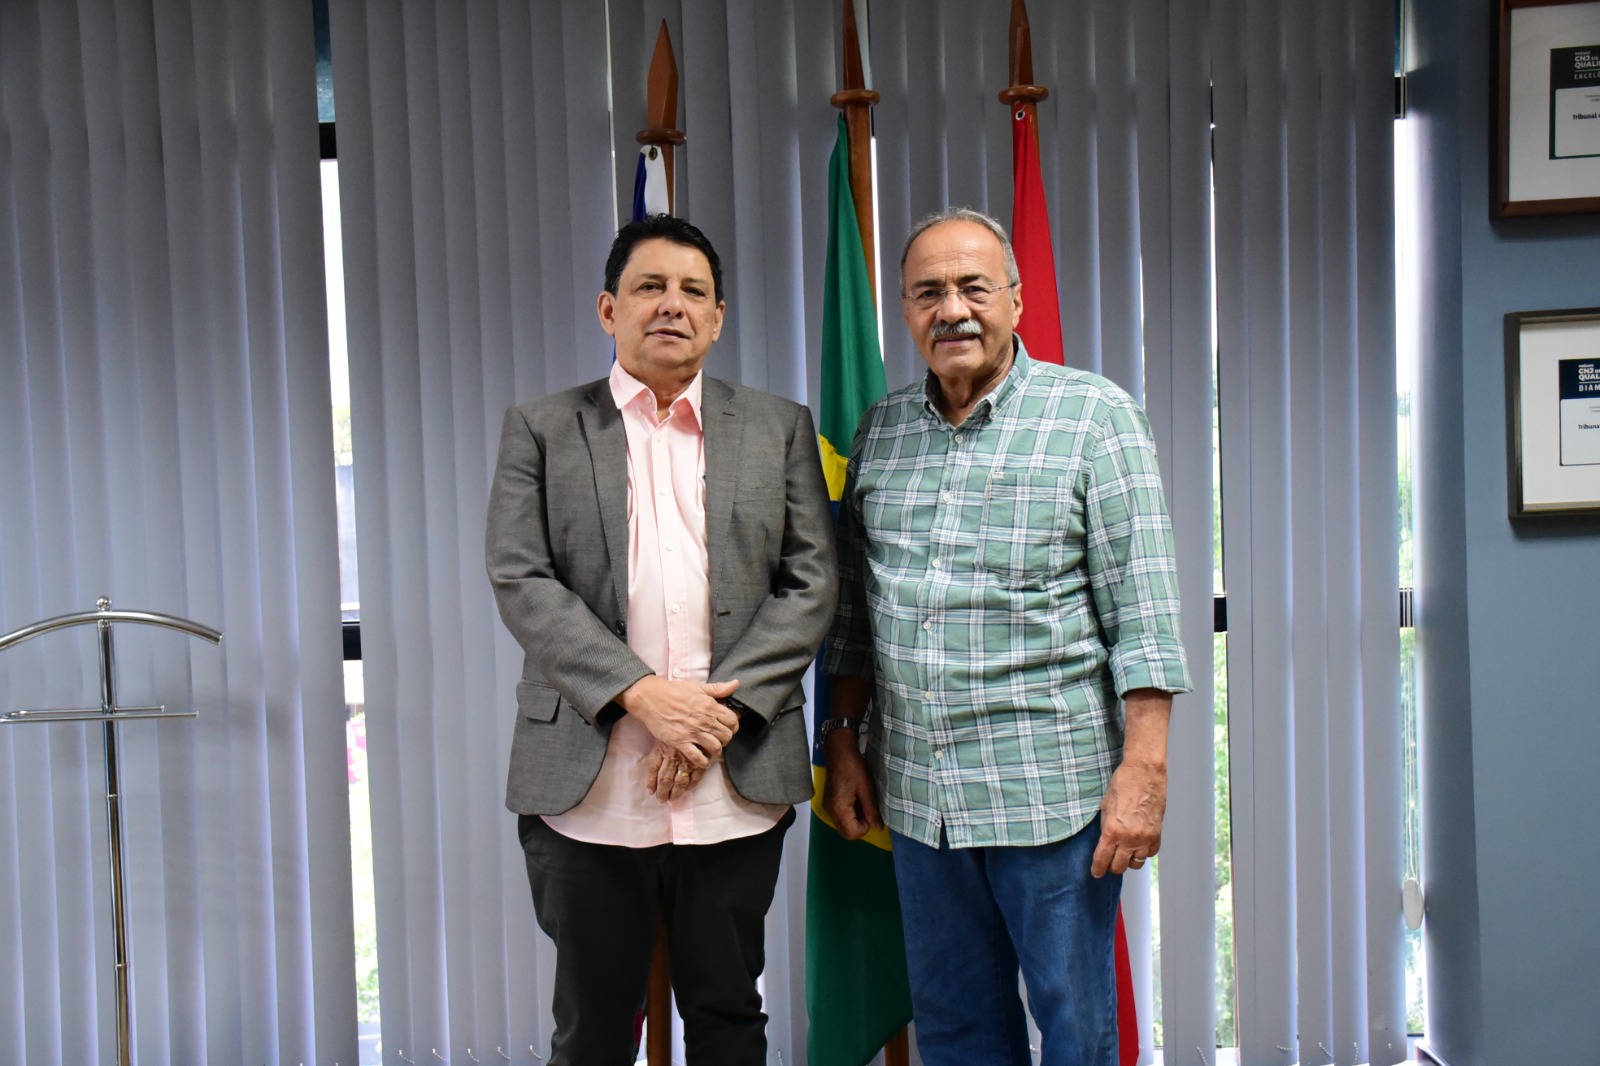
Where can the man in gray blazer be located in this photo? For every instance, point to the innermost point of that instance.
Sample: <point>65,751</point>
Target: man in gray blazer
<point>660,544</point>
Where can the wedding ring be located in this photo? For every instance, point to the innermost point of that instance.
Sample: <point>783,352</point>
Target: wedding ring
<point>682,773</point>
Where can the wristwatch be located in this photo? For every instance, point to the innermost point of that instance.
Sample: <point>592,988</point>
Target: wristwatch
<point>829,725</point>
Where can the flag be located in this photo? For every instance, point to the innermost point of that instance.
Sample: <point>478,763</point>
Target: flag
<point>650,195</point>
<point>1040,330</point>
<point>1040,325</point>
<point>857,991</point>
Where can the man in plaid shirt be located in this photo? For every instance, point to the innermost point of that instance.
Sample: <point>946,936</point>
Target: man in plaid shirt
<point>1009,608</point>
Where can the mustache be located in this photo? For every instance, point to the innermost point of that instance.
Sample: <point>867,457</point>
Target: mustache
<point>967,327</point>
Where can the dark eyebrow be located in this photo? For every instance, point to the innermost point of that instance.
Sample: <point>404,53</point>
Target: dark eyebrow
<point>662,279</point>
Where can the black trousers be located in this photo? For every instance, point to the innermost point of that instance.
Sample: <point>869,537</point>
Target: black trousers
<point>600,904</point>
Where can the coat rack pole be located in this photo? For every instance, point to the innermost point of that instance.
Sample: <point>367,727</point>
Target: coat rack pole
<point>119,916</point>
<point>108,714</point>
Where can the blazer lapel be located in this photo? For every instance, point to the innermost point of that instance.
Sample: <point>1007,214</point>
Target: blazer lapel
<point>608,451</point>
<point>724,437</point>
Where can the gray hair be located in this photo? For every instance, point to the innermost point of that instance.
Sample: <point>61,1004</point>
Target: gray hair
<point>962,214</point>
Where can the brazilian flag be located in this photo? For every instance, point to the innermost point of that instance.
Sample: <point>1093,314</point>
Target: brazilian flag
<point>857,992</point>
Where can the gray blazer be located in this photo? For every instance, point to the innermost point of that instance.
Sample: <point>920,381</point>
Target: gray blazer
<point>557,555</point>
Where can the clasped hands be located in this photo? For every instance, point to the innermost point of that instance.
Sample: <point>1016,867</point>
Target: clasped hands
<point>690,725</point>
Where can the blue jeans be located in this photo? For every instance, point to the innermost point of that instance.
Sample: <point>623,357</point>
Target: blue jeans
<point>974,915</point>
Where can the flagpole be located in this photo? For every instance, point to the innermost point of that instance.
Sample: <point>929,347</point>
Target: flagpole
<point>1040,328</point>
<point>856,101</point>
<point>662,134</point>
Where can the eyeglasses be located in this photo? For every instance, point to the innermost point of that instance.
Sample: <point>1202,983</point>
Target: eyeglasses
<point>928,297</point>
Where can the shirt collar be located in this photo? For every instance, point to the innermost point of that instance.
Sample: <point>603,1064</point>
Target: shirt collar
<point>1021,367</point>
<point>628,390</point>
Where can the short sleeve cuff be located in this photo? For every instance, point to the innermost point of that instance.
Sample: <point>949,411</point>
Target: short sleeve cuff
<point>842,659</point>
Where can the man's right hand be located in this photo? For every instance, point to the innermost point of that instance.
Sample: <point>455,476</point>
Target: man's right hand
<point>848,796</point>
<point>684,715</point>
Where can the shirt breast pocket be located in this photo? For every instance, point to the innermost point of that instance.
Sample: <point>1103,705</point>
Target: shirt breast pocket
<point>1027,520</point>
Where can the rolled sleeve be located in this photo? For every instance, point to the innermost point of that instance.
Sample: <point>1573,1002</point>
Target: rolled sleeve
<point>1131,558</point>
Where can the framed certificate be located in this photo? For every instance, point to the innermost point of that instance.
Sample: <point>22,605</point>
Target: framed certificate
<point>1553,411</point>
<point>1547,151</point>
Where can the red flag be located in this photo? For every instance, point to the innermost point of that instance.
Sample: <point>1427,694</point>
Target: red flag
<point>1040,329</point>
<point>1040,325</point>
<point>1127,1010</point>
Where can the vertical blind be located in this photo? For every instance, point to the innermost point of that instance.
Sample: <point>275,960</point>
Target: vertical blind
<point>1305,269</point>
<point>164,418</point>
<point>475,190</point>
<point>1172,63</point>
<point>160,291</point>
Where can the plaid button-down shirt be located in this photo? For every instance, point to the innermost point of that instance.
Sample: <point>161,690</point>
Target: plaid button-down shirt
<point>1005,581</point>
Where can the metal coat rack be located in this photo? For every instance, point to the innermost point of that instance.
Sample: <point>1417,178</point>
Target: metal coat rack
<point>109,714</point>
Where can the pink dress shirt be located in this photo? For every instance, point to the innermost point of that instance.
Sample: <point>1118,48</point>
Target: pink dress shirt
<point>669,627</point>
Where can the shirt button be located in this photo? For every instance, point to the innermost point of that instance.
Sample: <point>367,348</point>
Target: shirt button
<point>676,608</point>
<point>938,753</point>
<point>662,490</point>
<point>947,497</point>
<point>669,546</point>
<point>928,624</point>
<point>937,563</point>
<point>928,695</point>
<point>958,438</point>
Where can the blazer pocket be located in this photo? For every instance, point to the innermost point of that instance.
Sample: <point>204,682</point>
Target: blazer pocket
<point>537,701</point>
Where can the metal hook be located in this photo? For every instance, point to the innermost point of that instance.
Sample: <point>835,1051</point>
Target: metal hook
<point>438,1056</point>
<point>473,1057</point>
<point>1203,1060</point>
<point>502,1053</point>
<point>406,1058</point>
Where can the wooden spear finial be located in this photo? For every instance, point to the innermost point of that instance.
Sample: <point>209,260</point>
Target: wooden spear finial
<point>1022,90</point>
<point>856,101</point>
<point>661,105</point>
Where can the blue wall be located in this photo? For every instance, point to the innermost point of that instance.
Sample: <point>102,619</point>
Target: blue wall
<point>1508,613</point>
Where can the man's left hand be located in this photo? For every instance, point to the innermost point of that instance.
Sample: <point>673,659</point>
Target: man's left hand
<point>1136,797</point>
<point>667,775</point>
<point>1130,819</point>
